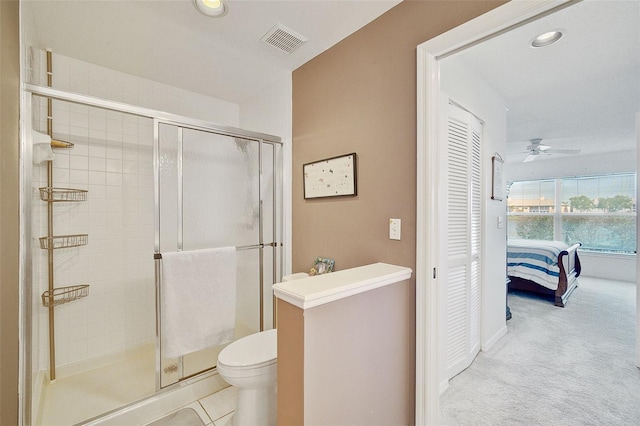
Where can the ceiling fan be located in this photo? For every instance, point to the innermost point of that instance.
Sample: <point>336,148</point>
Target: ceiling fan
<point>535,148</point>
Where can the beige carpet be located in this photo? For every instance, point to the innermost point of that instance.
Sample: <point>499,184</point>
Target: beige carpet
<point>556,366</point>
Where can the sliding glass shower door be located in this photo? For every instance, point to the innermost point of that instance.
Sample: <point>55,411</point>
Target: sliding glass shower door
<point>214,191</point>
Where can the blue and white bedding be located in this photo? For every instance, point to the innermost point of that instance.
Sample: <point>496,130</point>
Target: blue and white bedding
<point>535,260</point>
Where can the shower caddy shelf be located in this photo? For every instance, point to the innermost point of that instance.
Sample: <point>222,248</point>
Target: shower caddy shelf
<point>63,194</point>
<point>63,241</point>
<point>59,295</point>
<point>63,295</point>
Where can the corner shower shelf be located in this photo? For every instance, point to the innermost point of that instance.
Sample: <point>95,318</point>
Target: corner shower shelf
<point>64,241</point>
<point>63,194</point>
<point>63,295</point>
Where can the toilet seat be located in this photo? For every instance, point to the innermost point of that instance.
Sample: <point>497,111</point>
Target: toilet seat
<point>253,351</point>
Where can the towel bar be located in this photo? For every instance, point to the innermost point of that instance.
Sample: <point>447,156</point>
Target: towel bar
<point>158,256</point>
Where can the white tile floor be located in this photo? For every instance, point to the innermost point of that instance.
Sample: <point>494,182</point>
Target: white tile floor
<point>216,409</point>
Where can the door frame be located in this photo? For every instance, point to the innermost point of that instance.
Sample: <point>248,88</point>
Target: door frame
<point>493,23</point>
<point>637,239</point>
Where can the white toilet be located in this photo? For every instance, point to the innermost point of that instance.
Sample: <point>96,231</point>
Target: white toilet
<point>251,365</point>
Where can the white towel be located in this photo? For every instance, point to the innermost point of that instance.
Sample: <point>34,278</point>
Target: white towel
<point>198,300</point>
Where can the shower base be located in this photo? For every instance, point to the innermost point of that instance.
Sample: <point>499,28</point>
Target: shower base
<point>121,393</point>
<point>78,397</point>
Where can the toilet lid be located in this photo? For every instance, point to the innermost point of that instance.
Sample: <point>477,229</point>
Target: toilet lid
<point>255,349</point>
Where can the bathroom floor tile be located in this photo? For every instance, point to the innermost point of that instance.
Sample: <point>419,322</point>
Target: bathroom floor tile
<point>225,421</point>
<point>220,404</point>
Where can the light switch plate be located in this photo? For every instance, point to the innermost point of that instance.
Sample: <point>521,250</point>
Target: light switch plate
<point>394,229</point>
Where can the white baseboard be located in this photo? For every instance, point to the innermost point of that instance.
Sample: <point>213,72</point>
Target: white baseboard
<point>494,339</point>
<point>443,386</point>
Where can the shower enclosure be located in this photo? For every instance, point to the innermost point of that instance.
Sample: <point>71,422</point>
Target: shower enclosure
<point>155,182</point>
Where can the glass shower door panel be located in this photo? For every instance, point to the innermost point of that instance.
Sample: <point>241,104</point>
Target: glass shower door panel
<point>221,184</point>
<point>209,197</point>
<point>168,171</point>
<point>221,206</point>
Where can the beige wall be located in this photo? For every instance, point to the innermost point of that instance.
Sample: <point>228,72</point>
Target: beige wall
<point>9,210</point>
<point>291,356</point>
<point>360,96</point>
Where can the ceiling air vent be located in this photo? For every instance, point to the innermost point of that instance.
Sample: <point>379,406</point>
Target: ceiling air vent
<point>283,39</point>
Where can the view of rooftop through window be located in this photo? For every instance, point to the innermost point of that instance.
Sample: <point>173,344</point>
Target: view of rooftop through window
<point>598,211</point>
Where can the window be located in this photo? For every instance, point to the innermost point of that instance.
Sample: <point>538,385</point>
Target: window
<point>531,206</point>
<point>599,211</point>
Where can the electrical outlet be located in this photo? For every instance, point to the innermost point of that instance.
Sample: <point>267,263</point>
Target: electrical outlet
<point>394,229</point>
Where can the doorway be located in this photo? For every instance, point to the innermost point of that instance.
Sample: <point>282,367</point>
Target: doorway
<point>430,54</point>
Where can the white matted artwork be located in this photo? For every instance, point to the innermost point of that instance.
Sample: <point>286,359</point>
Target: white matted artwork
<point>331,177</point>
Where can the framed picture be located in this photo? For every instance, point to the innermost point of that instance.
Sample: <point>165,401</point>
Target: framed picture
<point>496,177</point>
<point>322,265</point>
<point>331,177</point>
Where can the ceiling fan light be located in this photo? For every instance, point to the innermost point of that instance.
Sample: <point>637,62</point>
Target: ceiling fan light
<point>213,8</point>
<point>547,39</point>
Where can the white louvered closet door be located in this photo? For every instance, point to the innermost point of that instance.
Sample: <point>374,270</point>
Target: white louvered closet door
<point>461,250</point>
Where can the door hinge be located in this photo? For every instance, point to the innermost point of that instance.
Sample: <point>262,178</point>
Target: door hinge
<point>434,273</point>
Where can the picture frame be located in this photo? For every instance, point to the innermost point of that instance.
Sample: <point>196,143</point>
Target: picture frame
<point>497,189</point>
<point>331,177</point>
<point>322,265</point>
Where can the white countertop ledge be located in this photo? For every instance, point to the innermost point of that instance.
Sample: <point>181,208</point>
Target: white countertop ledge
<point>317,290</point>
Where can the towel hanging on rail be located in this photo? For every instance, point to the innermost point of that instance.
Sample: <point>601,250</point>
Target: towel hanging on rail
<point>198,300</point>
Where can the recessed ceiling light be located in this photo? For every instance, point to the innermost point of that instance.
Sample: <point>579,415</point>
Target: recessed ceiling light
<point>215,8</point>
<point>546,39</point>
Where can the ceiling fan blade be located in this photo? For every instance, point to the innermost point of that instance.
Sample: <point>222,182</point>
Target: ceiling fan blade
<point>537,147</point>
<point>530,157</point>
<point>563,151</point>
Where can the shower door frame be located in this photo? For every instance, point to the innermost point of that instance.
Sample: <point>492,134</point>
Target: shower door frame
<point>26,282</point>
<point>277,255</point>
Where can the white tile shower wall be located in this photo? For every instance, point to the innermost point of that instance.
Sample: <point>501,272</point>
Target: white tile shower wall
<point>112,159</point>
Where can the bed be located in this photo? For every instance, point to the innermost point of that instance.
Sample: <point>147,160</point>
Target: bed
<point>547,267</point>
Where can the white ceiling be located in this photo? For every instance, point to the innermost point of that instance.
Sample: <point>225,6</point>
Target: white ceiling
<point>582,92</point>
<point>171,42</point>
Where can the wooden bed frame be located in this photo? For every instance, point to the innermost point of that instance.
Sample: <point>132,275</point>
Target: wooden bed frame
<point>569,264</point>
